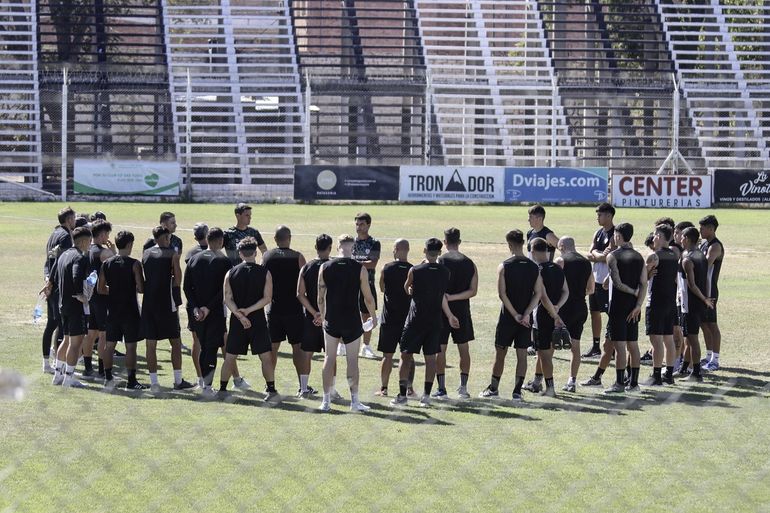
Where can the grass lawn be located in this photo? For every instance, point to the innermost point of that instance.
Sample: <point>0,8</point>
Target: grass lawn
<point>702,446</point>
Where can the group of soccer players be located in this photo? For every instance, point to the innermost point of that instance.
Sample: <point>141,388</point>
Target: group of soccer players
<point>329,304</point>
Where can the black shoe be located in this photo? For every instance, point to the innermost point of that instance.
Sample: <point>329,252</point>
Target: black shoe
<point>668,379</point>
<point>183,385</point>
<point>646,357</point>
<point>118,354</point>
<point>136,386</point>
<point>593,352</point>
<point>89,374</point>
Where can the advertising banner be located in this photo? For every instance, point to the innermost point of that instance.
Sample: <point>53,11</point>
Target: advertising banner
<point>661,191</point>
<point>442,183</point>
<point>345,183</point>
<point>741,186</point>
<point>126,177</point>
<point>555,185</point>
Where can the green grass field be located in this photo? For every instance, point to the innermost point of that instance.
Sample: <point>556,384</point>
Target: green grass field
<point>703,447</point>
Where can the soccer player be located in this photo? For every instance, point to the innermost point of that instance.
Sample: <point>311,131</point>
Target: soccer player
<point>680,328</point>
<point>285,319</point>
<point>71,272</point>
<point>627,290</point>
<point>427,284</point>
<point>536,218</point>
<point>307,294</point>
<point>366,251</point>
<point>598,302</point>
<point>168,221</point>
<point>694,278</point>
<point>240,231</point>
<point>248,289</point>
<point>661,315</point>
<point>58,242</point>
<point>160,306</point>
<point>203,286</point>
<point>340,282</point>
<point>463,285</point>
<point>519,287</point>
<point>580,281</point>
<point>120,279</point>
<point>395,308</point>
<point>715,252</point>
<point>200,232</point>
<point>101,249</point>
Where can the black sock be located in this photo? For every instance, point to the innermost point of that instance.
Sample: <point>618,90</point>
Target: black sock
<point>596,343</point>
<point>131,376</point>
<point>598,373</point>
<point>88,363</point>
<point>108,374</point>
<point>656,374</point>
<point>402,384</point>
<point>270,386</point>
<point>463,379</point>
<point>495,383</point>
<point>548,382</point>
<point>635,376</point>
<point>519,384</point>
<point>428,387</point>
<point>620,376</point>
<point>669,371</point>
<point>102,370</point>
<point>538,377</point>
<point>696,370</point>
<point>223,385</point>
<point>441,382</point>
<point>685,366</point>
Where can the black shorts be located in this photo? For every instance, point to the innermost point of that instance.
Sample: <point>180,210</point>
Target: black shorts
<point>282,327</point>
<point>461,335</point>
<point>124,328</point>
<point>190,318</point>
<point>513,334</point>
<point>574,317</point>
<point>160,325</point>
<point>691,322</point>
<point>710,315</point>
<point>599,301</point>
<point>660,321</point>
<point>210,331</point>
<point>312,336</point>
<point>545,327</point>
<point>97,319</point>
<point>53,306</point>
<point>240,339</point>
<point>74,324</point>
<point>416,339</point>
<point>362,303</point>
<point>347,334</point>
<point>390,336</point>
<point>620,330</point>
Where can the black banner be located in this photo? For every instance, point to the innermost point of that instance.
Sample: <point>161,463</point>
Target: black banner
<point>345,183</point>
<point>741,186</point>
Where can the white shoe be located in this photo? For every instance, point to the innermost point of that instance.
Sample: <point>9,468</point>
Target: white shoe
<point>241,384</point>
<point>70,382</point>
<point>462,392</point>
<point>208,393</point>
<point>58,379</point>
<point>325,406</point>
<point>424,401</point>
<point>359,407</point>
<point>335,396</point>
<point>47,369</point>
<point>155,388</point>
<point>109,385</point>
<point>341,350</point>
<point>367,352</point>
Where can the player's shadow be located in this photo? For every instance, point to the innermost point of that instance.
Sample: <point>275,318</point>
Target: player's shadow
<point>742,381</point>
<point>490,408</point>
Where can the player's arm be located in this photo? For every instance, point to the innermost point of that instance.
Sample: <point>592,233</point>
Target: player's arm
<point>552,240</point>
<point>302,295</point>
<point>689,271</point>
<point>502,292</point>
<point>640,296</point>
<point>382,282</point>
<point>713,253</point>
<point>139,277</point>
<point>537,294</point>
<point>227,293</point>
<point>408,282</point>
<point>79,273</point>
<point>101,284</point>
<point>301,261</point>
<point>564,296</point>
<point>612,263</point>
<point>471,291</point>
<point>652,265</point>
<point>367,293</point>
<point>559,261</point>
<point>453,321</point>
<point>590,284</point>
<point>189,286</point>
<point>321,293</point>
<point>177,270</point>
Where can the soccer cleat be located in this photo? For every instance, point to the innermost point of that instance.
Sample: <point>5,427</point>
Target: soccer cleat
<point>462,392</point>
<point>272,396</point>
<point>488,392</point>
<point>424,401</point>
<point>651,382</point>
<point>592,353</point>
<point>548,392</point>
<point>410,392</point>
<point>325,406</point>
<point>241,384</point>
<point>185,348</point>
<point>208,393</point>
<point>516,397</point>
<point>367,352</point>
<point>341,350</point>
<point>646,357</point>
<point>183,385</point>
<point>155,388</point>
<point>533,386</point>
<point>681,374</point>
<point>531,351</point>
<point>692,378</point>
<point>118,354</point>
<point>109,385</point>
<point>223,395</point>
<point>58,379</point>
<point>711,366</point>
<point>48,369</point>
<point>569,387</point>
<point>335,396</point>
<point>668,379</point>
<point>566,339</point>
<point>311,390</point>
<point>439,394</point>
<point>615,388</point>
<point>399,400</point>
<point>591,382</point>
<point>632,389</point>
<point>704,361</point>
<point>89,374</point>
<point>70,382</point>
<point>359,407</point>
<point>556,339</point>
<point>135,387</point>
<point>382,392</point>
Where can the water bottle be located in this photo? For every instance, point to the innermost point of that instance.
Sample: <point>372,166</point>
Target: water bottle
<point>37,313</point>
<point>90,285</point>
<point>369,324</point>
<point>92,278</point>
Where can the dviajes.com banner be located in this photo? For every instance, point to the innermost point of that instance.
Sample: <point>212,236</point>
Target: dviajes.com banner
<point>555,185</point>
<point>741,186</point>
<point>345,183</point>
<point>126,177</point>
<point>441,183</point>
<point>661,191</point>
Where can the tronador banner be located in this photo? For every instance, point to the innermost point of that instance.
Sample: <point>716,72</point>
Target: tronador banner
<point>441,183</point>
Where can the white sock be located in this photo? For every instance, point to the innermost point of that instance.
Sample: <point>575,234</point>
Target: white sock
<point>327,397</point>
<point>571,380</point>
<point>177,376</point>
<point>353,398</point>
<point>153,378</point>
<point>235,380</point>
<point>201,383</point>
<point>45,363</point>
<point>708,355</point>
<point>70,370</point>
<point>334,384</point>
<point>303,382</point>
<point>714,357</point>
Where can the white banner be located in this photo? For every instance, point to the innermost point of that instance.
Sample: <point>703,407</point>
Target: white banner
<point>441,183</point>
<point>126,177</point>
<point>661,191</point>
